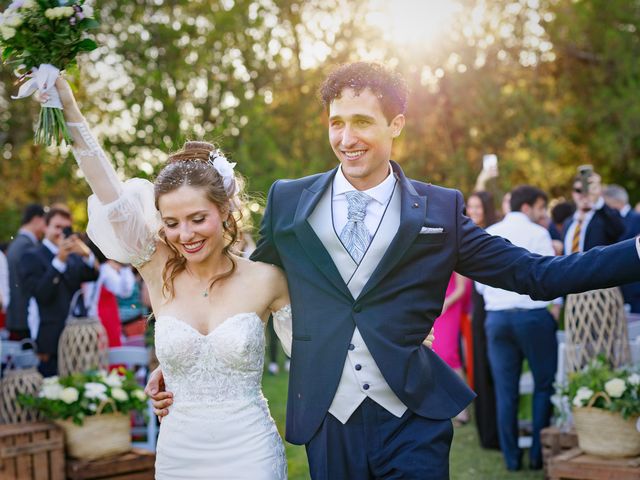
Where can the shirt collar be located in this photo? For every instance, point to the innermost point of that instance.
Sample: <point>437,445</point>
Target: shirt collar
<point>380,193</point>
<point>29,234</point>
<point>624,211</point>
<point>518,216</point>
<point>51,246</point>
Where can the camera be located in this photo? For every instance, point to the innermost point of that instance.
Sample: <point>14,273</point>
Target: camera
<point>67,232</point>
<point>584,172</point>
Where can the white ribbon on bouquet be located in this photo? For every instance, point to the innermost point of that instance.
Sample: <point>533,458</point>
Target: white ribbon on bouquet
<point>43,80</point>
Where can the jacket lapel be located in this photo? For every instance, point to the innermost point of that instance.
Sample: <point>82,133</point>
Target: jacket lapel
<point>413,212</point>
<point>310,242</point>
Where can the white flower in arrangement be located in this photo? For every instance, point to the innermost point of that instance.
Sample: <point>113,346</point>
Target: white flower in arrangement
<point>95,390</point>
<point>582,396</point>
<point>87,9</point>
<point>615,387</point>
<point>28,4</point>
<point>139,394</point>
<point>69,395</point>
<point>93,407</point>
<point>113,380</point>
<point>634,379</point>
<point>51,389</point>
<point>119,394</point>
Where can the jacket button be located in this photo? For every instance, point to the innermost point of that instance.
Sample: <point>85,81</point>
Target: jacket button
<point>358,367</point>
<point>352,346</point>
<point>357,308</point>
<point>365,386</point>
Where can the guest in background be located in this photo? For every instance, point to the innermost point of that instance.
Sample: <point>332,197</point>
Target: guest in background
<point>31,232</point>
<point>481,210</point>
<point>447,329</point>
<point>133,309</point>
<point>52,273</point>
<point>518,327</point>
<point>594,223</point>
<point>100,296</point>
<point>559,215</point>
<point>617,198</point>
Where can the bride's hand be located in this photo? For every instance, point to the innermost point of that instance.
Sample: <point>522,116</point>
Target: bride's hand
<point>71,110</point>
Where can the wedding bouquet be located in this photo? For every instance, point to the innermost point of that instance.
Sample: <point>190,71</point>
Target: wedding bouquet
<point>85,394</point>
<point>40,38</point>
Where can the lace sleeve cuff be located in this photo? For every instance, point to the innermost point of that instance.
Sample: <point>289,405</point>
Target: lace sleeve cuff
<point>283,325</point>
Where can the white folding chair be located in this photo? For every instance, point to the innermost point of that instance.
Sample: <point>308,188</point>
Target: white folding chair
<point>137,360</point>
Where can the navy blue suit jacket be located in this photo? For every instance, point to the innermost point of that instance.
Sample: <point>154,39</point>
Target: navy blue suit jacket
<point>53,291</point>
<point>605,228</point>
<point>404,295</point>
<point>631,292</point>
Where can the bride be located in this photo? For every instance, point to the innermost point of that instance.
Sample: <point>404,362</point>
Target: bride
<point>210,305</point>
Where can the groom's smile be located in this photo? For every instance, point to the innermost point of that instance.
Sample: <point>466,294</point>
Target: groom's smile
<point>361,137</point>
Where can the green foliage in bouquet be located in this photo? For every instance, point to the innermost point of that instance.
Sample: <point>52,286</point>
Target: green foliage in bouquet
<point>85,394</point>
<point>36,32</point>
<point>615,390</point>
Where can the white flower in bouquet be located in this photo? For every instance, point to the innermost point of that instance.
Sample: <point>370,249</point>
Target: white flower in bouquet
<point>615,387</point>
<point>139,394</point>
<point>13,20</point>
<point>95,390</point>
<point>119,394</point>
<point>69,395</point>
<point>29,4</point>
<point>582,396</point>
<point>634,379</point>
<point>58,12</point>
<point>7,32</point>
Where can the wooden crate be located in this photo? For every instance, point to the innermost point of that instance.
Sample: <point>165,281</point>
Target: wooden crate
<point>554,442</point>
<point>134,465</point>
<point>575,464</point>
<point>31,451</point>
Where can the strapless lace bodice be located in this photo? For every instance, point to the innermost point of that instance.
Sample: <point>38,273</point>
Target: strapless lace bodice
<point>225,365</point>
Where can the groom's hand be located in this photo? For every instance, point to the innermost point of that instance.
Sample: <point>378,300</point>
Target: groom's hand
<point>160,398</point>
<point>428,342</point>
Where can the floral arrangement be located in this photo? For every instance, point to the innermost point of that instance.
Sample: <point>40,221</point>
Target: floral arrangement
<point>615,390</point>
<point>85,394</point>
<point>40,38</point>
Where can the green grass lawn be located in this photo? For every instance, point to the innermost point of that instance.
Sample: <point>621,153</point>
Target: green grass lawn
<point>468,460</point>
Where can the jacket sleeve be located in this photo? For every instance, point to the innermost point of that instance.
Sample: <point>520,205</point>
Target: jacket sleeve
<point>266,250</point>
<point>614,225</point>
<point>39,279</point>
<point>495,261</point>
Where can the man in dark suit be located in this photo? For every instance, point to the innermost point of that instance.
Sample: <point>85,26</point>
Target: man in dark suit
<point>617,198</point>
<point>52,273</point>
<point>594,223</point>
<point>30,233</point>
<point>368,255</point>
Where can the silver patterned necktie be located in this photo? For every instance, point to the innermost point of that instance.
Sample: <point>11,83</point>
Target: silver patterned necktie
<point>354,236</point>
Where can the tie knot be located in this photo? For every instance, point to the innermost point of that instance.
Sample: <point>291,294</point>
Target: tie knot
<point>357,205</point>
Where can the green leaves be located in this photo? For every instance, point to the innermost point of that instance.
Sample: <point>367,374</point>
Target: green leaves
<point>88,24</point>
<point>86,45</point>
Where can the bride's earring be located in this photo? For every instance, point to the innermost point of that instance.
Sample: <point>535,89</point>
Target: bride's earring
<point>225,224</point>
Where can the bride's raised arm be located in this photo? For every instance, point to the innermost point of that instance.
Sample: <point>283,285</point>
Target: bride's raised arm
<point>123,221</point>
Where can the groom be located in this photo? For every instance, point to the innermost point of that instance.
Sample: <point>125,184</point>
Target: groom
<point>368,254</point>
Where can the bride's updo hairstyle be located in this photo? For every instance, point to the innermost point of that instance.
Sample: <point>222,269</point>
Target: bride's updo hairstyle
<point>194,166</point>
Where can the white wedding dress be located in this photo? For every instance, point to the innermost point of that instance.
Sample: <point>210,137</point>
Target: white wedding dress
<point>219,426</point>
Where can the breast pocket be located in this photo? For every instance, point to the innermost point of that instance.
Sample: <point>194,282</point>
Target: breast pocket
<point>431,238</point>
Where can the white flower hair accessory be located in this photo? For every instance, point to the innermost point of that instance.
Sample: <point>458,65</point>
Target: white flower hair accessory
<point>218,161</point>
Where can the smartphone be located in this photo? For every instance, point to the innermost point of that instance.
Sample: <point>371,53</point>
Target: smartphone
<point>67,232</point>
<point>489,161</point>
<point>584,172</point>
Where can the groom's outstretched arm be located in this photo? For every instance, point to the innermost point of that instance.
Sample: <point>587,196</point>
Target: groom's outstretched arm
<point>266,250</point>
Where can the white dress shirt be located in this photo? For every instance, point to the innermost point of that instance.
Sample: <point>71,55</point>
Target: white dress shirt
<point>4,282</point>
<point>522,232</point>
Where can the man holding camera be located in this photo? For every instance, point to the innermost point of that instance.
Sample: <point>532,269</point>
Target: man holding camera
<point>52,273</point>
<point>593,223</point>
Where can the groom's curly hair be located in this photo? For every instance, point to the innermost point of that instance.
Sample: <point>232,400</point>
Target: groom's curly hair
<point>387,85</point>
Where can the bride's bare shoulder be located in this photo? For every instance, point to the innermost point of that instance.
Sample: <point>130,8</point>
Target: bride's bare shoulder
<point>264,271</point>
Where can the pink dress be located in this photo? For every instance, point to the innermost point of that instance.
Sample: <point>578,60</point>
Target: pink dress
<point>447,330</point>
